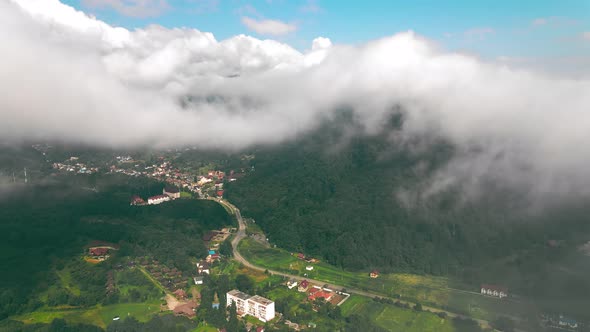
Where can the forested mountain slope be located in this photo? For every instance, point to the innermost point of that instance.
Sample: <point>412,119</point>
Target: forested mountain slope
<point>337,196</point>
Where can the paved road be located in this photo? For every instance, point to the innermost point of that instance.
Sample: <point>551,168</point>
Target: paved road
<point>242,233</point>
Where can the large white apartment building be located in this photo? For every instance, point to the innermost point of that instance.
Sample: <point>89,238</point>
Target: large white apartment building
<point>256,306</point>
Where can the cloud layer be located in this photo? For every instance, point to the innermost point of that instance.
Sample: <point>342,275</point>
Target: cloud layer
<point>268,27</point>
<point>71,77</point>
<point>133,8</point>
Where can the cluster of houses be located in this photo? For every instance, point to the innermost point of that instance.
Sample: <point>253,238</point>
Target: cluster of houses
<point>166,172</point>
<point>494,290</point>
<point>255,306</point>
<point>168,193</point>
<point>560,322</point>
<point>72,165</point>
<point>316,292</point>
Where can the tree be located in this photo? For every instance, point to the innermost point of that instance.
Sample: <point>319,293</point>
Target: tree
<point>226,248</point>
<point>244,283</point>
<point>233,323</point>
<point>503,324</point>
<point>418,306</point>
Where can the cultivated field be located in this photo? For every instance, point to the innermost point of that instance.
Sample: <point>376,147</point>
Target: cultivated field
<point>428,290</point>
<point>396,319</point>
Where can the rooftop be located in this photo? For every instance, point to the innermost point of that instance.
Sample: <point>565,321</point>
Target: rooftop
<point>260,300</point>
<point>238,294</point>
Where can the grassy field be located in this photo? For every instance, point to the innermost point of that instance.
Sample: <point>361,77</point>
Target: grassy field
<point>97,315</point>
<point>205,328</point>
<point>429,290</point>
<point>185,194</point>
<point>396,319</point>
<point>65,279</point>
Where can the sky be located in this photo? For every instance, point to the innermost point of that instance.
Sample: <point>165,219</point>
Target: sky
<point>508,85</point>
<point>499,28</point>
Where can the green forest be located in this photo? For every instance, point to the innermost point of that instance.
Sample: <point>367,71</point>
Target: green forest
<point>45,228</point>
<point>336,197</point>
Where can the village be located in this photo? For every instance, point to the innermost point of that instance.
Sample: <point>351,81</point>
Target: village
<point>200,183</point>
<point>183,290</point>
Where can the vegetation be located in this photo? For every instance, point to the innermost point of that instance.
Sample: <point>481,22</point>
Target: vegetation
<point>354,202</point>
<point>45,230</point>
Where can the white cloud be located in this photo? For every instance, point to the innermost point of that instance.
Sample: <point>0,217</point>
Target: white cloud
<point>311,6</point>
<point>133,8</point>
<point>553,21</point>
<point>70,77</point>
<point>268,27</point>
<point>539,21</point>
<point>479,33</point>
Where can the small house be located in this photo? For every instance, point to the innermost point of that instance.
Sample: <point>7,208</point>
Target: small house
<point>374,274</point>
<point>171,192</point>
<point>303,286</point>
<point>187,309</point>
<point>291,284</point>
<point>309,268</point>
<point>198,280</point>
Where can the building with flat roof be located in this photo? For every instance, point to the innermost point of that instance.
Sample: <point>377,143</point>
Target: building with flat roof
<point>158,199</point>
<point>256,306</point>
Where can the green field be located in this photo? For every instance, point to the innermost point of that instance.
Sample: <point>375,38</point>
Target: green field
<point>396,319</point>
<point>97,315</point>
<point>428,290</point>
<point>65,279</point>
<point>185,194</point>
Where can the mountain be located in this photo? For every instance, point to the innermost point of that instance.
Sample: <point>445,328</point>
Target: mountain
<point>343,197</point>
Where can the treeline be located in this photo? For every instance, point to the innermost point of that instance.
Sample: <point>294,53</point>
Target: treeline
<point>164,323</point>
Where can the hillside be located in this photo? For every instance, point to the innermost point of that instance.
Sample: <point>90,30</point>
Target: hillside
<point>46,228</point>
<point>342,205</point>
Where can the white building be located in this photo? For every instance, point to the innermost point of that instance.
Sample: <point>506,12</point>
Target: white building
<point>291,284</point>
<point>171,192</point>
<point>256,306</point>
<point>493,290</point>
<point>158,199</point>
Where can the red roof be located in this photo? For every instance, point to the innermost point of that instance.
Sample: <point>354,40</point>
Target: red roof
<point>300,256</point>
<point>304,284</point>
<point>137,199</point>
<point>186,309</point>
<point>319,294</point>
<point>158,197</point>
<point>220,193</point>
<point>99,251</point>
<point>180,293</point>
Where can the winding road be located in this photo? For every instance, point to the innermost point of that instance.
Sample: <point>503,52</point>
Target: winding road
<point>241,233</point>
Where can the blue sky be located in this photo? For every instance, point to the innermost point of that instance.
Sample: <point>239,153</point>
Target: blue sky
<point>513,28</point>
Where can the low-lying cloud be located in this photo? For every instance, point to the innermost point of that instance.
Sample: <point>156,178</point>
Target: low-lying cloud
<point>70,77</point>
